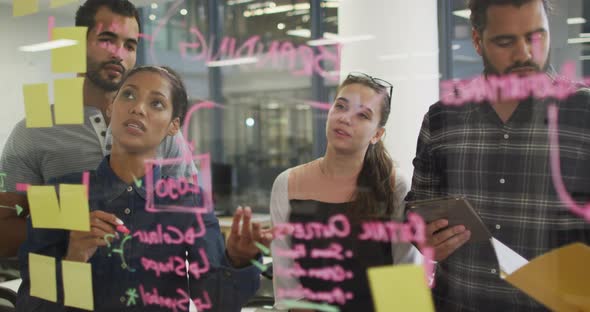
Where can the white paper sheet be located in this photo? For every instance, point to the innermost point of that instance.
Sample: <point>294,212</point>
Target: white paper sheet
<point>508,259</point>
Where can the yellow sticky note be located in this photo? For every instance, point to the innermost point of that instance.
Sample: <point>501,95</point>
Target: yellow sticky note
<point>69,106</point>
<point>42,277</point>
<point>58,3</point>
<point>44,207</point>
<point>77,281</point>
<point>46,211</point>
<point>400,288</point>
<point>74,207</point>
<point>24,7</point>
<point>70,59</point>
<point>37,110</point>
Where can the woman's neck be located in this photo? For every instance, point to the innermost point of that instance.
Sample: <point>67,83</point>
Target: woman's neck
<point>337,165</point>
<point>128,166</point>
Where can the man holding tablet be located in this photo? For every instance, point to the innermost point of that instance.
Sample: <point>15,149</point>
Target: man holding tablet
<point>496,155</point>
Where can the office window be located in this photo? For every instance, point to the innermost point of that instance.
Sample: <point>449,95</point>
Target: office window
<point>568,23</point>
<point>252,59</point>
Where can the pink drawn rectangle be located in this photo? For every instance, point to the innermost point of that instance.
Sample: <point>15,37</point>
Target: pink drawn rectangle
<point>204,183</point>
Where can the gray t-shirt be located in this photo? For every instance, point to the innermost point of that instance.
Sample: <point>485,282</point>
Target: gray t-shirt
<point>35,155</point>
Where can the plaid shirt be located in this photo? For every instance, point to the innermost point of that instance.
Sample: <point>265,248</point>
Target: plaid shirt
<point>504,171</point>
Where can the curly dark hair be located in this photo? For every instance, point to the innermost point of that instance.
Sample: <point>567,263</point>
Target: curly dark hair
<point>479,10</point>
<point>85,16</point>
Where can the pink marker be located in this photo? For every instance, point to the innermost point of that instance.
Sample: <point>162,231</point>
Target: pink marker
<point>50,27</point>
<point>123,229</point>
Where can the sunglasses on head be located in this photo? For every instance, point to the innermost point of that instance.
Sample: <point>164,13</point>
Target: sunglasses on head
<point>378,81</point>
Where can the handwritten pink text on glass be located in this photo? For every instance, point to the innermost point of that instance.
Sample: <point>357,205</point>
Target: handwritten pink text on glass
<point>171,235</point>
<point>299,60</point>
<point>177,265</point>
<point>153,298</point>
<point>336,295</point>
<point>339,226</point>
<point>564,196</point>
<point>509,87</point>
<point>335,273</point>
<point>151,185</point>
<point>334,251</point>
<point>176,187</point>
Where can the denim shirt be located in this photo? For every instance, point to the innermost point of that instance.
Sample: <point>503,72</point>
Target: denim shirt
<point>150,260</point>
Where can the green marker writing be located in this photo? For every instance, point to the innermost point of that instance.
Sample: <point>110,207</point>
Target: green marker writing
<point>259,265</point>
<point>265,251</point>
<point>138,182</point>
<point>19,210</point>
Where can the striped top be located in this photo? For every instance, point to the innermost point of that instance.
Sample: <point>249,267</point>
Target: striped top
<point>35,155</point>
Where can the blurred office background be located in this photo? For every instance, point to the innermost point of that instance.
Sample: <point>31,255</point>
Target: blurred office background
<point>273,68</point>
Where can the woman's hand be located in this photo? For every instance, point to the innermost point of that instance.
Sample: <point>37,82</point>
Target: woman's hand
<point>83,245</point>
<point>241,247</point>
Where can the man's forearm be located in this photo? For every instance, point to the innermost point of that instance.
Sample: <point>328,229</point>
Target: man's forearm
<point>13,228</point>
<point>13,232</point>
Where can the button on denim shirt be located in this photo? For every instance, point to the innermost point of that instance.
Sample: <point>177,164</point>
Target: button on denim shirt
<point>145,270</point>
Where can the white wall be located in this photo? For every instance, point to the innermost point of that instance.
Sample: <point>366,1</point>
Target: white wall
<point>405,53</point>
<point>18,68</point>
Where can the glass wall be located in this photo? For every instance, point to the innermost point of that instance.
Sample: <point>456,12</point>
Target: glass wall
<point>251,58</point>
<point>505,160</point>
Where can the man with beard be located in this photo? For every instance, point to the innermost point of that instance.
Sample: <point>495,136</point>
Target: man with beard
<point>34,155</point>
<point>497,156</point>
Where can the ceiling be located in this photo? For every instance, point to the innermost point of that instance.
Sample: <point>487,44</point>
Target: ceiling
<point>72,7</point>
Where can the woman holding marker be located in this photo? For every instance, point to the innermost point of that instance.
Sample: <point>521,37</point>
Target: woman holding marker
<point>130,272</point>
<point>355,178</point>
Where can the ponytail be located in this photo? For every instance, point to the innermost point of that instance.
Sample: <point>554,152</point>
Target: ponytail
<point>374,196</point>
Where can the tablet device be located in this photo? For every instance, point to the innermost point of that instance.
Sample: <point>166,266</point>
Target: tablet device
<point>457,210</point>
